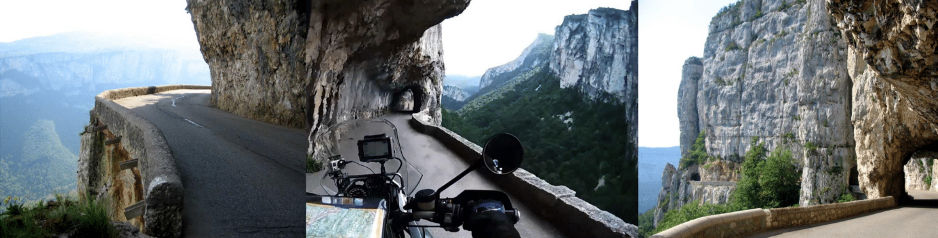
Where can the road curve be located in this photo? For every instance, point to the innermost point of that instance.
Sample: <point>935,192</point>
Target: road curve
<point>247,178</point>
<point>241,177</point>
<point>916,220</point>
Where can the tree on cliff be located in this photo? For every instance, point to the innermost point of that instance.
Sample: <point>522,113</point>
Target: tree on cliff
<point>767,182</point>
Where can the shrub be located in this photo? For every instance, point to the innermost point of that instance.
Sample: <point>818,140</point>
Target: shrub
<point>690,211</point>
<point>767,182</point>
<point>88,218</point>
<point>846,197</point>
<point>697,154</point>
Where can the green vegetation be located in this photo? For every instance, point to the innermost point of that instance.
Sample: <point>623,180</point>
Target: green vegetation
<point>63,215</point>
<point>697,154</point>
<point>732,46</point>
<point>789,137</point>
<point>732,7</point>
<point>690,211</point>
<point>43,166</point>
<point>846,197</point>
<point>646,223</point>
<point>929,163</point>
<point>568,139</point>
<point>312,165</point>
<point>768,181</point>
<point>811,147</point>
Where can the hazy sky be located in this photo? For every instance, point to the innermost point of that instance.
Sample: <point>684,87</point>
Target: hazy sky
<point>493,32</point>
<point>669,31</point>
<point>165,21</point>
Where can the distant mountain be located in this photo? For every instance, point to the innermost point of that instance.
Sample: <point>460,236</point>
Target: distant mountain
<point>44,167</point>
<point>572,108</point>
<point>48,84</point>
<point>464,82</point>
<point>651,161</point>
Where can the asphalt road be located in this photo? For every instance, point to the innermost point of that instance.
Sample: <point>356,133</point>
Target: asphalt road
<point>246,178</point>
<point>914,220</point>
<point>242,177</point>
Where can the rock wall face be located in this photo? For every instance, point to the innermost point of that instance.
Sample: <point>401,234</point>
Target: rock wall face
<point>100,174</point>
<point>318,63</point>
<point>597,52</point>
<point>918,172</point>
<point>535,54</point>
<point>684,186</point>
<point>774,70</point>
<point>255,53</point>
<point>894,68</point>
<point>687,102</point>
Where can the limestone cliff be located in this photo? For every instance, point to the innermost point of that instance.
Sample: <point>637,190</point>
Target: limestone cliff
<point>919,171</point>
<point>598,52</point>
<point>848,86</point>
<point>317,63</point>
<point>535,54</point>
<point>894,68</point>
<point>774,70</point>
<point>687,102</point>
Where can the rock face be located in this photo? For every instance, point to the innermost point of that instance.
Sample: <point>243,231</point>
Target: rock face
<point>100,174</point>
<point>684,186</point>
<point>774,70</point>
<point>918,171</point>
<point>315,64</point>
<point>456,93</point>
<point>597,52</point>
<point>687,102</point>
<point>533,55</point>
<point>894,68</point>
<point>846,85</point>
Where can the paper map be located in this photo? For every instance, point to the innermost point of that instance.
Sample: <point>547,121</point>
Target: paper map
<point>329,221</point>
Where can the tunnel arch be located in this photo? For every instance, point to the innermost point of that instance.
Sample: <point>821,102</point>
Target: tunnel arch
<point>417,94</point>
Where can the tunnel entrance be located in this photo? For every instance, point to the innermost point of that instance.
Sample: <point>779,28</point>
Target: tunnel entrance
<point>409,99</point>
<point>919,174</point>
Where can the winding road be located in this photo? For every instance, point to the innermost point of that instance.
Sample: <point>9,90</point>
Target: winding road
<point>247,178</point>
<point>917,219</point>
<point>241,177</point>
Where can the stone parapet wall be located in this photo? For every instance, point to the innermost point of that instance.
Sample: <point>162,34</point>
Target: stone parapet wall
<point>753,221</point>
<point>162,186</point>
<point>557,204</point>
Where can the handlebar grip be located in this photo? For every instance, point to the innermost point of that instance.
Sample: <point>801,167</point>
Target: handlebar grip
<point>493,223</point>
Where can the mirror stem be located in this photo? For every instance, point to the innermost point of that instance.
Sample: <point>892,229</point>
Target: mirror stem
<point>472,167</point>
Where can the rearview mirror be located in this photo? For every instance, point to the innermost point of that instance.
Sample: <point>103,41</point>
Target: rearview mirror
<point>503,153</point>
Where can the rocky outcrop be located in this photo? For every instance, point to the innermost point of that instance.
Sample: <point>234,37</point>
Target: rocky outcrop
<point>687,102</point>
<point>315,64</point>
<point>535,54</point>
<point>846,85</point>
<point>774,70</point>
<point>456,93</point>
<point>918,171</point>
<point>894,69</point>
<point>684,186</point>
<point>597,52</point>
